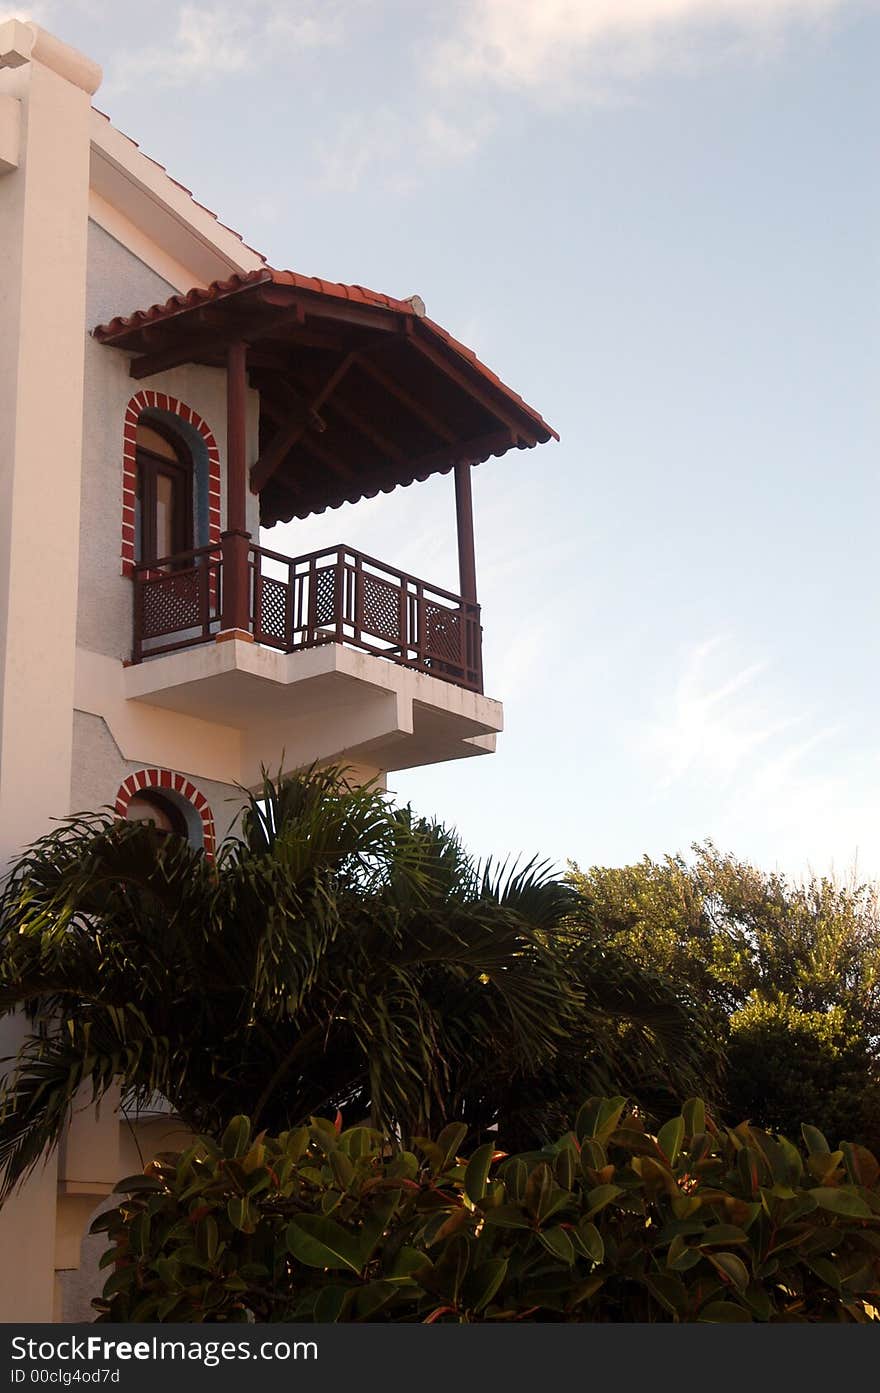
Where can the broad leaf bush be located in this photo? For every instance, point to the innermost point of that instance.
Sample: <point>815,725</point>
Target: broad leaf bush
<point>610,1223</point>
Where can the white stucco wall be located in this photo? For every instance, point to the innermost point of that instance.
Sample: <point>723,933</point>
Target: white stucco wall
<point>43,217</point>
<point>119,282</point>
<point>99,769</point>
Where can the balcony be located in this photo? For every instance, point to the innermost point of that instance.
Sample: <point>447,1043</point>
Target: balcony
<point>337,595</point>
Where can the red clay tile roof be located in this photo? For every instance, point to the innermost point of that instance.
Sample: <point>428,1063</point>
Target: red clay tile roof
<point>121,326</point>
<point>411,400</point>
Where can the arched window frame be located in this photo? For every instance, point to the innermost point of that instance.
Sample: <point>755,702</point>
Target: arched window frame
<point>161,401</point>
<point>181,472</point>
<point>166,781</point>
<point>161,804</point>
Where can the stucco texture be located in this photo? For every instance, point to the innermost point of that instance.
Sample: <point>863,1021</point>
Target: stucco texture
<point>118,281</point>
<point>99,769</point>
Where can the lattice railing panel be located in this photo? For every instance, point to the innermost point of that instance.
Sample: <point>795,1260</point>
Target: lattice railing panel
<point>442,639</point>
<point>272,618</point>
<point>381,608</point>
<point>171,603</point>
<point>325,582</point>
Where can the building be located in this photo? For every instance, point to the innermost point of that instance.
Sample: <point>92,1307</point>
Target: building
<point>164,393</point>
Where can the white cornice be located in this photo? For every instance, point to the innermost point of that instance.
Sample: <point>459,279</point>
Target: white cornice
<point>25,42</point>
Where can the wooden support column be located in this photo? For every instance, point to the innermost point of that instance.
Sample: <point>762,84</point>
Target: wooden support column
<point>235,540</point>
<point>464,511</point>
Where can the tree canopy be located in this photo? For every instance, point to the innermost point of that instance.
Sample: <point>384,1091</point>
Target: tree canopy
<point>340,953</point>
<point>791,972</point>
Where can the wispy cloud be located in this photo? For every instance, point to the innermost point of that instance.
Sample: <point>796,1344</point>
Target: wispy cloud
<point>442,71</point>
<point>720,719</point>
<point>211,42</point>
<point>549,52</point>
<point>397,144</point>
<point>568,48</point>
<point>716,717</point>
<point>727,743</point>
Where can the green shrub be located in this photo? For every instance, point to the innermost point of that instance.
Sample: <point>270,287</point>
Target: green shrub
<point>611,1223</point>
<point>785,1063</point>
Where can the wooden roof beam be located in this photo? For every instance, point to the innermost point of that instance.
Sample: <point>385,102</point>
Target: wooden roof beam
<point>327,307</point>
<point>369,432</point>
<point>331,462</point>
<point>439,360</point>
<point>416,408</point>
<point>290,433</point>
<point>187,350</point>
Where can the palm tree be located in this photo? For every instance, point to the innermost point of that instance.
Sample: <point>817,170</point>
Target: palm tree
<point>338,954</point>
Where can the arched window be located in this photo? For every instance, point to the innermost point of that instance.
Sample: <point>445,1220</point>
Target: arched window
<point>163,512</point>
<point>171,802</point>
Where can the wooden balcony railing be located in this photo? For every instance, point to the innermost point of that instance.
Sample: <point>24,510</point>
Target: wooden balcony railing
<point>337,595</point>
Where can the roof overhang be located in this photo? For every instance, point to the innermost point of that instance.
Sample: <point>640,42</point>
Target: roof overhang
<point>359,392</point>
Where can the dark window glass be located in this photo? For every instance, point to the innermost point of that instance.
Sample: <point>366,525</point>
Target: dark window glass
<point>163,497</point>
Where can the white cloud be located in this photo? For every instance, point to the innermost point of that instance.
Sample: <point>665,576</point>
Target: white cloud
<point>566,47</point>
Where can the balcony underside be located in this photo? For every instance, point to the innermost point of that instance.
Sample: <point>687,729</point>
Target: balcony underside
<point>327,703</point>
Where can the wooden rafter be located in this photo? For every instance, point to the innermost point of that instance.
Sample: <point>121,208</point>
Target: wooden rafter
<point>368,431</point>
<point>440,360</point>
<point>416,408</point>
<point>189,350</point>
<point>325,307</point>
<point>329,461</point>
<point>304,418</point>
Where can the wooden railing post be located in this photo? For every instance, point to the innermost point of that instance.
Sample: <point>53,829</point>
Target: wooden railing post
<point>137,616</point>
<point>464,512</point>
<point>235,541</point>
<point>235,554</point>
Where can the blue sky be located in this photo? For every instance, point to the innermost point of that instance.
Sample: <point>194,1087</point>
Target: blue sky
<point>658,221</point>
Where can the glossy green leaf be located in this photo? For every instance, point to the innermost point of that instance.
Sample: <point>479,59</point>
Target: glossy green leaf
<point>694,1114</point>
<point>724,1313</point>
<point>842,1201</point>
<point>670,1138</point>
<point>449,1141</point>
<point>506,1216</point>
<point>731,1268</point>
<point>477,1172</point>
<point>815,1141</point>
<point>331,1303</point>
<point>670,1291</point>
<point>601,1196</point>
<point>243,1214</point>
<point>483,1282</point>
<point>587,1237</point>
<point>373,1297</point>
<point>557,1242</point>
<point>321,1242</point>
<point>236,1138</point>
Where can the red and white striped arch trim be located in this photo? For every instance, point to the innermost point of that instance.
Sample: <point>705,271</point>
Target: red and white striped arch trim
<point>178,783</point>
<point>161,401</point>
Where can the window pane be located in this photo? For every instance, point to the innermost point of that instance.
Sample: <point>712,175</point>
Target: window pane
<point>165,492</point>
<point>151,440</point>
<point>139,810</point>
<point>138,518</point>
